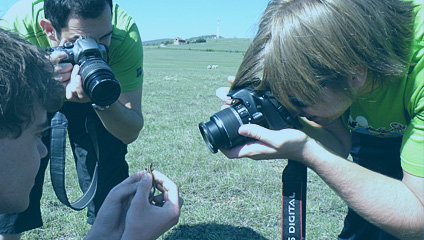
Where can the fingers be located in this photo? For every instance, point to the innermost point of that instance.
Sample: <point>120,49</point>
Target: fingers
<point>62,41</point>
<point>221,93</point>
<point>267,143</point>
<point>134,178</point>
<point>171,192</point>
<point>230,79</point>
<point>62,72</point>
<point>74,90</point>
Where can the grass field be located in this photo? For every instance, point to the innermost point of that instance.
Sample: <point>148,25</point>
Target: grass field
<point>224,199</point>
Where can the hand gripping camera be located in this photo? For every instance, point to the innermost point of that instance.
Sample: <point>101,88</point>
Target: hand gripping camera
<point>98,80</point>
<point>250,106</point>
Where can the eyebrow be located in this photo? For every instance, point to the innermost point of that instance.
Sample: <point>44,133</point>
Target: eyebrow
<point>106,35</point>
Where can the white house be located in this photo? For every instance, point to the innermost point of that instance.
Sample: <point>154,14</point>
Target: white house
<point>179,41</point>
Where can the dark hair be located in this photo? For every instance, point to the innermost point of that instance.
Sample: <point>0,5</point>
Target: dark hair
<point>25,80</point>
<point>58,11</point>
<point>302,43</point>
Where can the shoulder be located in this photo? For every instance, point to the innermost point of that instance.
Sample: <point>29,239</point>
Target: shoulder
<point>122,22</point>
<point>126,38</point>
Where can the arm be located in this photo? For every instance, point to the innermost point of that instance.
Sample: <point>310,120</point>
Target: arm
<point>395,206</point>
<point>124,118</point>
<point>335,136</point>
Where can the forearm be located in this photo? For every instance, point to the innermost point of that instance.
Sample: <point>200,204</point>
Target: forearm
<point>383,201</point>
<point>122,122</point>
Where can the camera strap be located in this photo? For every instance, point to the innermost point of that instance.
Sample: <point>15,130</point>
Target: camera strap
<point>59,125</point>
<point>293,207</point>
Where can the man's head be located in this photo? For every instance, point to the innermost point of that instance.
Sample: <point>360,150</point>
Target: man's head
<point>27,92</point>
<point>69,19</point>
<point>304,47</point>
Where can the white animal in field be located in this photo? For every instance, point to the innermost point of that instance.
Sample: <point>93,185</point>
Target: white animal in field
<point>212,67</point>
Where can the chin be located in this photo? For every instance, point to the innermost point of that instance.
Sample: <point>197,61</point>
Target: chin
<point>16,207</point>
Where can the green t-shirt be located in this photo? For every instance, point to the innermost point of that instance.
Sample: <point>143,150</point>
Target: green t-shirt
<point>397,109</point>
<point>125,50</point>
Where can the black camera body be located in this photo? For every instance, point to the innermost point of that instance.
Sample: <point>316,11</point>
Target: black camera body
<point>250,106</point>
<point>98,80</point>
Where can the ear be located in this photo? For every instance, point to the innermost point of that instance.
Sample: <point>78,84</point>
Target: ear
<point>48,29</point>
<point>359,79</point>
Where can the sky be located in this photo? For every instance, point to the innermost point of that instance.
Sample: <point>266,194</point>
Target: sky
<point>158,19</point>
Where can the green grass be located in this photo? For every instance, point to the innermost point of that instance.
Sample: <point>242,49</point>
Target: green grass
<point>223,199</point>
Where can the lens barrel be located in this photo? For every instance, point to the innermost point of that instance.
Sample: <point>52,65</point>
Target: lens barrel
<point>99,82</point>
<point>222,129</point>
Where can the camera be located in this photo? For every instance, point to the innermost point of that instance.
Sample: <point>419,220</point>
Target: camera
<point>98,80</point>
<point>249,106</point>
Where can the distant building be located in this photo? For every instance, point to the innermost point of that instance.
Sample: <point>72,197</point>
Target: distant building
<point>179,41</point>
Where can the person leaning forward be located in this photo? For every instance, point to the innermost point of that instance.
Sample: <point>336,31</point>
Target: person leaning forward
<point>353,71</point>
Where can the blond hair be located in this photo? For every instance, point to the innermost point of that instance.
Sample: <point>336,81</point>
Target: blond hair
<point>302,43</point>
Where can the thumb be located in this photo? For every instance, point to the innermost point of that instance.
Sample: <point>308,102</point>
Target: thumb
<point>231,79</point>
<point>143,188</point>
<point>62,41</point>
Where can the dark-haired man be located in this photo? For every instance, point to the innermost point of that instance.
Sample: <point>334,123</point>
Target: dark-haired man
<point>51,23</point>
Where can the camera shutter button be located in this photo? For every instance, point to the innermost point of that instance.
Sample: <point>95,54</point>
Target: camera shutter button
<point>68,45</point>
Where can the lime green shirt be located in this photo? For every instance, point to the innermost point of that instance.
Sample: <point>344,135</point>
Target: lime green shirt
<point>125,50</point>
<point>397,109</point>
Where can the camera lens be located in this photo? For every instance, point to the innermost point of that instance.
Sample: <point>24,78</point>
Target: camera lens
<point>99,82</point>
<point>222,129</point>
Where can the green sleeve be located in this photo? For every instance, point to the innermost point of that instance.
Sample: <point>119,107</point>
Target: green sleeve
<point>412,151</point>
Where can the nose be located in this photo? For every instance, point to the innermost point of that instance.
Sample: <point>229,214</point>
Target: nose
<point>42,149</point>
<point>296,114</point>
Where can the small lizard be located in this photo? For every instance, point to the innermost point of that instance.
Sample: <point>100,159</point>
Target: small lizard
<point>149,169</point>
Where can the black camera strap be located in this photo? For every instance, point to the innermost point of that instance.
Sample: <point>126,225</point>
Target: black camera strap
<point>293,208</point>
<point>59,125</point>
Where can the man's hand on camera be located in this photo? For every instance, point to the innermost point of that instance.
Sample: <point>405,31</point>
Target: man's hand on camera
<point>68,75</point>
<point>62,71</point>
<point>271,144</point>
<point>73,88</point>
<point>222,92</point>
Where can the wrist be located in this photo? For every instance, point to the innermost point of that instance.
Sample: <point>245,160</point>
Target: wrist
<point>99,108</point>
<point>312,152</point>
